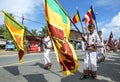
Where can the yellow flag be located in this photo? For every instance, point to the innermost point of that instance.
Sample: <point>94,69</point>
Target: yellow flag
<point>16,30</point>
<point>59,29</point>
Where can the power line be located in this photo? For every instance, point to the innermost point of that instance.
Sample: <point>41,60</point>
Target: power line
<point>26,19</point>
<point>29,19</point>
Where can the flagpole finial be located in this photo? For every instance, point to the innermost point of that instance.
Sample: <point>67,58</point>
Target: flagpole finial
<point>77,7</point>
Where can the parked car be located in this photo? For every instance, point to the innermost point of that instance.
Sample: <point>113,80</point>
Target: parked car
<point>9,45</point>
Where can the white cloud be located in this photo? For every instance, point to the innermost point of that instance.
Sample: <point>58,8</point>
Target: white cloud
<point>19,7</point>
<point>113,26</point>
<point>115,21</point>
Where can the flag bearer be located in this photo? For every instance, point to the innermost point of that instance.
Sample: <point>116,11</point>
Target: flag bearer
<point>100,48</point>
<point>47,48</point>
<point>90,60</point>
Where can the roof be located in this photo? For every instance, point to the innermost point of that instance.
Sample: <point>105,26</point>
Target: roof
<point>33,38</point>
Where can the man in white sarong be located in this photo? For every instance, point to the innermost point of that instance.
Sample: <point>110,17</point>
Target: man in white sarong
<point>100,48</point>
<point>90,60</point>
<point>48,46</point>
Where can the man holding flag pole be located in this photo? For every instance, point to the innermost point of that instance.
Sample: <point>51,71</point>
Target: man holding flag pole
<point>90,60</point>
<point>90,57</point>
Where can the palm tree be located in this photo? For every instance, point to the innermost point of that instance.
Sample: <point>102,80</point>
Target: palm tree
<point>34,32</point>
<point>43,31</point>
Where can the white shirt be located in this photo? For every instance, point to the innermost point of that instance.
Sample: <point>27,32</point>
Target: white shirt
<point>92,38</point>
<point>47,41</point>
<point>101,41</point>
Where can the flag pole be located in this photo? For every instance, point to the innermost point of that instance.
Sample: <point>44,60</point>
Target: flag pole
<point>26,30</point>
<point>72,22</point>
<point>22,20</point>
<point>96,26</point>
<point>25,34</point>
<point>95,19</point>
<point>80,21</point>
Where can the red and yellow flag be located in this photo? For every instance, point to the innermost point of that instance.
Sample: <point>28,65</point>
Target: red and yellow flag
<point>59,29</point>
<point>17,31</point>
<point>110,42</point>
<point>89,17</point>
<point>76,17</point>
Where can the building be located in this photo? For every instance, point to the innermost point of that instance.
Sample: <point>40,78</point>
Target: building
<point>33,43</point>
<point>75,39</point>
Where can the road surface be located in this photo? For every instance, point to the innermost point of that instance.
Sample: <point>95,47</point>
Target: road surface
<point>32,69</point>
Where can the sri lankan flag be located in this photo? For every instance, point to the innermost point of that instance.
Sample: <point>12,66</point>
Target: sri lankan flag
<point>16,30</point>
<point>59,29</point>
<point>76,17</point>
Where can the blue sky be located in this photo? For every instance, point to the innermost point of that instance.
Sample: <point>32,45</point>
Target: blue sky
<point>108,13</point>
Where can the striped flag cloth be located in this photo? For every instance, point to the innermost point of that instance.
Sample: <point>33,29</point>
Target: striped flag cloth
<point>58,25</point>
<point>76,17</point>
<point>16,30</point>
<point>89,17</point>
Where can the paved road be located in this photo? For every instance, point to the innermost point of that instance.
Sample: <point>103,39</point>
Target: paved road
<point>32,69</point>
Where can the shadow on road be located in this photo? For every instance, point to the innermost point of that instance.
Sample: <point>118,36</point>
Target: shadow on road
<point>35,78</point>
<point>72,78</point>
<point>111,67</point>
<point>13,70</point>
<point>50,70</point>
<point>30,77</point>
<point>39,64</point>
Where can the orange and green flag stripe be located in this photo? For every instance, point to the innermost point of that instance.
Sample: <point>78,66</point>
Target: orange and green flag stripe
<point>16,30</point>
<point>59,29</point>
<point>56,13</point>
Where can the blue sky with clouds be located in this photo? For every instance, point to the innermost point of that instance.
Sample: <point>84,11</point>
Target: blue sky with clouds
<point>108,13</point>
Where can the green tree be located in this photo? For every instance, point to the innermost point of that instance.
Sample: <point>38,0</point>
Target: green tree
<point>34,32</point>
<point>4,31</point>
<point>1,30</point>
<point>43,31</point>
